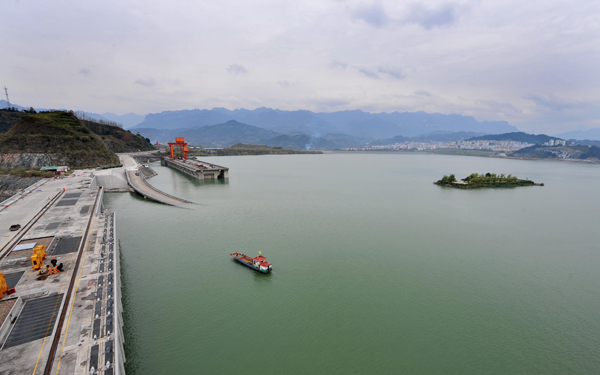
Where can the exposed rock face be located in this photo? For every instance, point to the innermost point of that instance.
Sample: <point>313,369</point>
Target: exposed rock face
<point>15,161</point>
<point>11,185</point>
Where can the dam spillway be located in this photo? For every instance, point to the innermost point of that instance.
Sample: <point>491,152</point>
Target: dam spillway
<point>197,169</point>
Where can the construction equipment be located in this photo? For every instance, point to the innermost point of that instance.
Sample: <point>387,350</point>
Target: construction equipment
<point>55,269</point>
<point>3,286</point>
<point>179,142</point>
<point>37,259</point>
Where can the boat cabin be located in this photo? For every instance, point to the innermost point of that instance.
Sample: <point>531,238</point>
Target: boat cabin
<point>260,262</point>
<point>256,261</point>
<point>265,266</point>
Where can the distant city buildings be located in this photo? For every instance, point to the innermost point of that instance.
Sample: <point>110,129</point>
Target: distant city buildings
<point>497,146</point>
<point>555,142</point>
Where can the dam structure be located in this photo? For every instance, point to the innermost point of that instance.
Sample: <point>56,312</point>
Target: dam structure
<point>198,169</point>
<point>61,311</point>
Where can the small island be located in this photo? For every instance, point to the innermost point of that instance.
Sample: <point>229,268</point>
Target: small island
<point>476,181</point>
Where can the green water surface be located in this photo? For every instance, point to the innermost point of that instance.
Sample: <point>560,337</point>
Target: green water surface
<point>376,269</point>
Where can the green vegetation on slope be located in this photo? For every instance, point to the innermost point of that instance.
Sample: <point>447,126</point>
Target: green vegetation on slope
<point>60,133</point>
<point>475,181</point>
<point>593,152</point>
<point>118,139</point>
<point>8,119</point>
<point>515,137</point>
<point>559,152</point>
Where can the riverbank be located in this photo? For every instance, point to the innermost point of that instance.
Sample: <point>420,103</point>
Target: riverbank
<point>478,153</point>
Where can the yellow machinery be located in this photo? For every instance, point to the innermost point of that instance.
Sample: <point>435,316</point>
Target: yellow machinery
<point>37,259</point>
<point>3,286</point>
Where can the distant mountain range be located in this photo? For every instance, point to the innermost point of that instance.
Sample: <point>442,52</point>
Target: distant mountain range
<point>299,129</point>
<point>354,123</point>
<point>591,134</point>
<point>359,124</point>
<point>516,137</point>
<point>225,134</point>
<point>232,132</point>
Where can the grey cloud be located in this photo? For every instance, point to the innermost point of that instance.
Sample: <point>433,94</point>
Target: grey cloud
<point>236,69</point>
<point>335,102</point>
<point>336,64</point>
<point>552,102</point>
<point>394,73</point>
<point>85,71</point>
<point>331,103</point>
<point>145,82</point>
<point>423,93</point>
<point>283,83</point>
<point>429,18</point>
<point>499,106</point>
<point>368,73</point>
<point>373,14</point>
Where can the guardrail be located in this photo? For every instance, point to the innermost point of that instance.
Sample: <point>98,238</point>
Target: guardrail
<point>158,191</point>
<point>7,202</point>
<point>162,192</point>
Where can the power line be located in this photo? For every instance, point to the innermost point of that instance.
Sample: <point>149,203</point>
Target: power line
<point>6,92</point>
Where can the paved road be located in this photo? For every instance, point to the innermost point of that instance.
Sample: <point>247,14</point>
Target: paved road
<point>25,209</point>
<point>128,161</point>
<point>140,185</point>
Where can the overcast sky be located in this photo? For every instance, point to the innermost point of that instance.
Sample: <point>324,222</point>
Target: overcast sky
<point>535,64</point>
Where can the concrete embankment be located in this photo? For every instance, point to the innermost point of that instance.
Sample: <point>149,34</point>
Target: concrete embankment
<point>80,308</point>
<point>23,192</point>
<point>112,181</point>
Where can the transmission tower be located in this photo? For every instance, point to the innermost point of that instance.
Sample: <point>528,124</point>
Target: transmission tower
<point>6,92</point>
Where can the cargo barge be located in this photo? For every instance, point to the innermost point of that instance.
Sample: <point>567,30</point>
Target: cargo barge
<point>258,263</point>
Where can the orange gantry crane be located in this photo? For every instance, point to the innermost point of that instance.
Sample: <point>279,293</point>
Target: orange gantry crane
<point>180,142</point>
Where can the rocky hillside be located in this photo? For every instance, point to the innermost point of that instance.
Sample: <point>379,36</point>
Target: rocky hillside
<point>59,135</point>
<point>11,185</point>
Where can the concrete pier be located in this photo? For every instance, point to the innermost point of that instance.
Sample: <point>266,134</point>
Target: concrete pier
<point>198,169</point>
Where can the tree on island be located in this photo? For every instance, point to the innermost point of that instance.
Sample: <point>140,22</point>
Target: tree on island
<point>447,179</point>
<point>475,180</point>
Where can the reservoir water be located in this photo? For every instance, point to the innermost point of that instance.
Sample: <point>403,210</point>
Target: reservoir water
<point>376,269</point>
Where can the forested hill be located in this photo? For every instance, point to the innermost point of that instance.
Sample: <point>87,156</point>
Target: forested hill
<point>60,134</point>
<point>118,139</point>
<point>65,139</point>
<point>515,137</point>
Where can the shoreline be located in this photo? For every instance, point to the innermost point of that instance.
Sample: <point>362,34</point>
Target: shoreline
<point>451,154</point>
